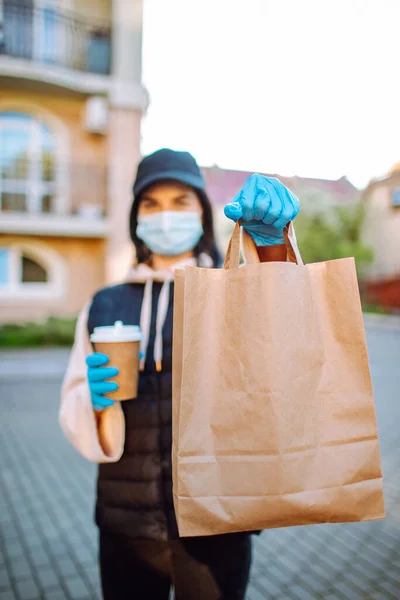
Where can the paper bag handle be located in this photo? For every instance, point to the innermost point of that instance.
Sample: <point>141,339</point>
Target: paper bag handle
<point>232,257</point>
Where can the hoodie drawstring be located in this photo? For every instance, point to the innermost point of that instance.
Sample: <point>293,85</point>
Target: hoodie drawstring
<point>162,309</point>
<point>145,321</point>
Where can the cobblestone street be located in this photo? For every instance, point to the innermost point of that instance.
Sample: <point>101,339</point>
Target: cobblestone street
<point>48,540</point>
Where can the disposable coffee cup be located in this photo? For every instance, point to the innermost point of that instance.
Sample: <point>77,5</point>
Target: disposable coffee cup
<point>121,343</point>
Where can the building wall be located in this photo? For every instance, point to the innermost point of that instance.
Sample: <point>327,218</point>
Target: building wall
<point>97,169</point>
<point>83,265</point>
<point>82,155</point>
<point>382,230</point>
<point>89,9</point>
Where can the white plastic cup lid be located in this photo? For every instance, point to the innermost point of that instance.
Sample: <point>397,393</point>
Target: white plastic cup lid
<point>116,333</point>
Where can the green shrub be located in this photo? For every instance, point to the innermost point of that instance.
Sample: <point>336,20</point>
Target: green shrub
<point>53,332</point>
<point>374,309</point>
<point>337,234</point>
<point>59,332</point>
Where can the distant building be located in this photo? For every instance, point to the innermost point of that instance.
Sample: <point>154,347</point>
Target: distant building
<point>224,184</point>
<point>71,102</point>
<point>382,232</point>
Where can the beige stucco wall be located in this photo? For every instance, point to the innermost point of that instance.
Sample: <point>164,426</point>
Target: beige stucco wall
<point>98,10</point>
<point>382,230</point>
<point>84,267</point>
<point>83,155</point>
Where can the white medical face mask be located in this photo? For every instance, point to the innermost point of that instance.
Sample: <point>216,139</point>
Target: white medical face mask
<point>170,232</point>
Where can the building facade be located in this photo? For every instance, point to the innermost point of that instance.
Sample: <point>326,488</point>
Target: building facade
<point>71,102</point>
<point>382,233</point>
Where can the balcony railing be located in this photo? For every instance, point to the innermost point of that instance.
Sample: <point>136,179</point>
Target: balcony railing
<point>50,37</point>
<point>34,188</point>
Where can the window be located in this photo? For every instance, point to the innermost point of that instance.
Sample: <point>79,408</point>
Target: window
<point>17,28</point>
<point>396,197</point>
<point>30,271</point>
<point>27,164</point>
<point>18,268</point>
<point>47,31</point>
<point>4,262</point>
<point>32,29</point>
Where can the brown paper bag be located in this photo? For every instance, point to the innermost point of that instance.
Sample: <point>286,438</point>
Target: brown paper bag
<point>273,413</point>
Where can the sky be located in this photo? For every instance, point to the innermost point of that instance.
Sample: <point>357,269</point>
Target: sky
<point>295,87</point>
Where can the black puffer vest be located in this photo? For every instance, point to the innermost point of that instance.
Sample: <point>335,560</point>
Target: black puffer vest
<point>134,495</point>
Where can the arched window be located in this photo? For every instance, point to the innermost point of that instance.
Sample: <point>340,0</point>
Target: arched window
<point>27,164</point>
<point>31,271</point>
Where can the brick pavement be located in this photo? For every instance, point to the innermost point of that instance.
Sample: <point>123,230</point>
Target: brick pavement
<point>48,541</point>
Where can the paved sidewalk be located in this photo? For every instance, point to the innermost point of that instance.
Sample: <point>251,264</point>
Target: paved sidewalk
<point>389,322</point>
<point>48,541</point>
<point>33,363</point>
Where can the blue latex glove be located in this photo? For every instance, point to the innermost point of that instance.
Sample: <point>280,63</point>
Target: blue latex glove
<point>97,376</point>
<point>266,207</point>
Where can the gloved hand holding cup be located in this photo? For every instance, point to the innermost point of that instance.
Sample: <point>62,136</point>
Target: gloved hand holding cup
<point>98,379</point>
<point>113,370</point>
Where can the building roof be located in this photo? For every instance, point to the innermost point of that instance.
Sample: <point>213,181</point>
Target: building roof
<point>392,178</point>
<point>224,184</point>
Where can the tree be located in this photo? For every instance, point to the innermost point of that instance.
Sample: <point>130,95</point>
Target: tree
<point>323,236</point>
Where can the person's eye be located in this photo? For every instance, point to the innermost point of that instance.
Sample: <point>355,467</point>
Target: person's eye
<point>183,202</point>
<point>148,203</point>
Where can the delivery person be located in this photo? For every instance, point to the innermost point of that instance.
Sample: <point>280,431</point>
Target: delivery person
<point>141,554</point>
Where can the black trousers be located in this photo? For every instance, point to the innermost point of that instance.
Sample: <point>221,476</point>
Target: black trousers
<point>209,568</point>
